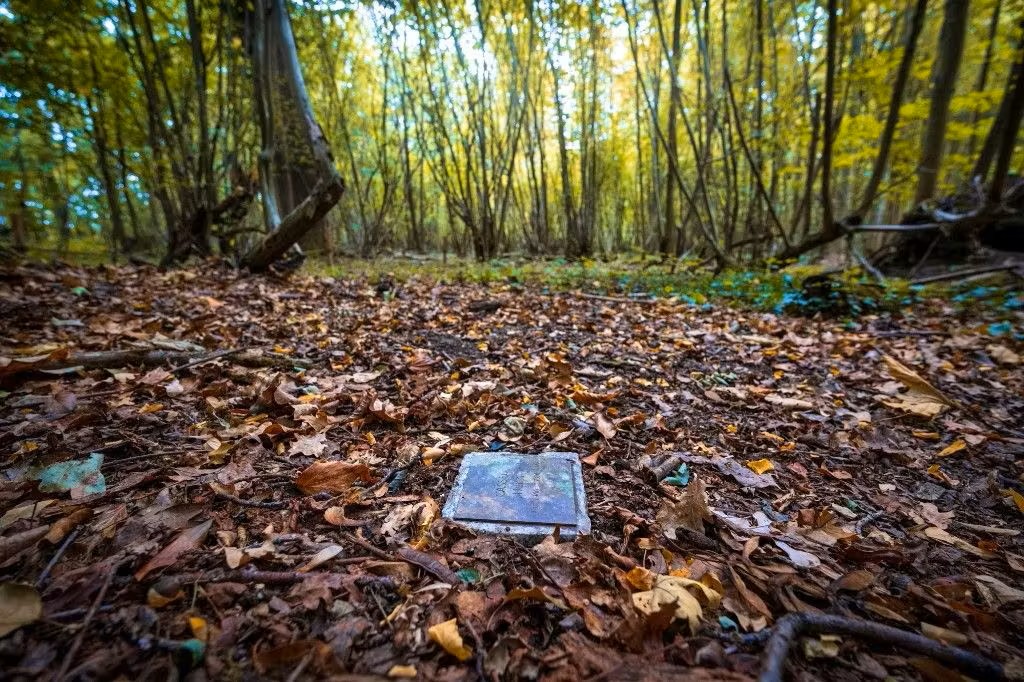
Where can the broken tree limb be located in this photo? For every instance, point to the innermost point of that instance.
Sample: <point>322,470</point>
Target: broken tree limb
<point>143,357</point>
<point>296,224</point>
<point>969,272</point>
<point>790,627</point>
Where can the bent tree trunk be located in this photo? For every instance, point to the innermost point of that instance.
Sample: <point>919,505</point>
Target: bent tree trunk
<point>295,153</point>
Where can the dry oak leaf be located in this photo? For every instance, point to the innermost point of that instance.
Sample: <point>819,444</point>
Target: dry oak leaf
<point>689,597</point>
<point>311,446</point>
<point>447,635</point>
<point>604,425</point>
<point>332,477</point>
<point>689,512</point>
<point>921,398</point>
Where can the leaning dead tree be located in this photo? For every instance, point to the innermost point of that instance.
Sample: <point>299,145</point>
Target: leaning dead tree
<point>299,183</point>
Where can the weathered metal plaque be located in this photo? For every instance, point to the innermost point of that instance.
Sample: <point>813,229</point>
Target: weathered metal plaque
<point>522,495</point>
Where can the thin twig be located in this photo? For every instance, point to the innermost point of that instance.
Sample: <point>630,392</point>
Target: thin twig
<point>354,539</point>
<point>792,626</point>
<point>301,667</point>
<point>76,645</point>
<point>478,651</point>
<point>868,520</point>
<point>56,557</point>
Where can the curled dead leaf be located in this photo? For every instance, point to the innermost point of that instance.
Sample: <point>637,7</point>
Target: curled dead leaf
<point>688,596</point>
<point>447,635</point>
<point>604,425</point>
<point>921,398</point>
<point>332,477</point>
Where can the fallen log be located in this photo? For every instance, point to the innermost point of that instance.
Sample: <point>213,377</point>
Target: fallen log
<point>143,357</point>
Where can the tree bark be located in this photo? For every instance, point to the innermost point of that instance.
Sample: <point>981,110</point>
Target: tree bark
<point>899,86</point>
<point>1014,98</point>
<point>273,31</point>
<point>944,74</point>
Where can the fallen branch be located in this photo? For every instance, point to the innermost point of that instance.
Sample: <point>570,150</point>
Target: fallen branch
<point>208,358</point>
<point>969,272</point>
<point>790,627</point>
<point>153,358</point>
<point>428,563</point>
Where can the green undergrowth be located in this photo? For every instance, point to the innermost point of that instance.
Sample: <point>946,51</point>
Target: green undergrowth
<point>797,289</point>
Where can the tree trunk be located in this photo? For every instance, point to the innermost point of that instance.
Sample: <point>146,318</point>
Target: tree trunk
<point>944,74</point>
<point>279,82</point>
<point>895,101</point>
<point>1014,97</point>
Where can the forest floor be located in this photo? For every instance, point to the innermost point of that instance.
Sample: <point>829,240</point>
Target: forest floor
<point>254,491</point>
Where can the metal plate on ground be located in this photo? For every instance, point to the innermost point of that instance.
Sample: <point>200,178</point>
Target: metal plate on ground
<point>523,495</point>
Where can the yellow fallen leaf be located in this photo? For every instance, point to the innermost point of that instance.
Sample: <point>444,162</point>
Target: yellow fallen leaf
<point>953,448</point>
<point>935,471</point>
<point>689,597</point>
<point>199,627</point>
<point>945,537</point>
<point>825,646</point>
<point>759,466</point>
<point>447,635</point>
<point>921,398</point>
<point>150,408</point>
<point>402,671</point>
<point>925,435</point>
<point>640,578</point>
<point>1017,498</point>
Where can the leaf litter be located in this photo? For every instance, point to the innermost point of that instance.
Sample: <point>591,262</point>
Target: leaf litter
<point>261,481</point>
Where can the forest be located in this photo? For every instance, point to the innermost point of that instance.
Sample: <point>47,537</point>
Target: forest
<point>729,133</point>
<point>610,340</point>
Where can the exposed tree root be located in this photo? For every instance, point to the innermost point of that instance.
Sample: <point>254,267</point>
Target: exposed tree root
<point>790,627</point>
